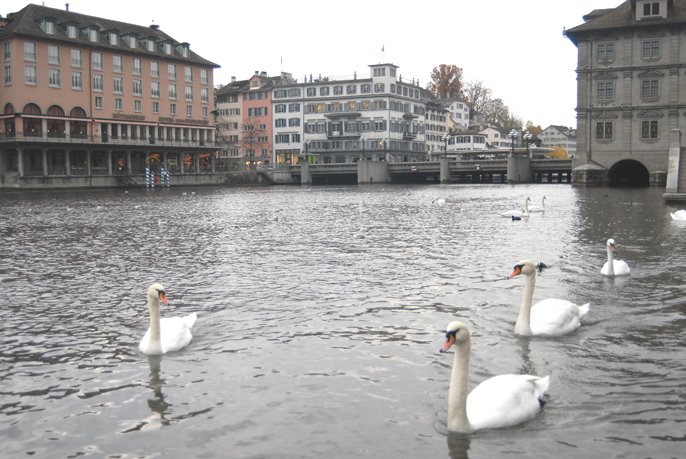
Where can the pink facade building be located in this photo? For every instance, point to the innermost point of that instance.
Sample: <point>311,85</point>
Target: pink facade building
<point>88,99</point>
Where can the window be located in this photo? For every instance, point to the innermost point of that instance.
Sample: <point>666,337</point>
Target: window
<point>132,41</point>
<point>76,80</point>
<point>136,66</point>
<point>97,83</point>
<point>204,95</point>
<point>651,9</point>
<point>137,106</point>
<point>188,74</point>
<point>650,49</point>
<point>337,90</point>
<point>171,71</point>
<point>118,104</point>
<point>137,88</point>
<point>280,108</point>
<point>294,107</point>
<point>114,38</point>
<point>172,109</point>
<point>155,69</point>
<point>379,87</point>
<point>604,130</point>
<point>150,45</point>
<point>280,122</point>
<point>294,122</point>
<point>351,89</point>
<point>29,51</point>
<point>324,91</point>
<point>98,102</point>
<point>649,129</point>
<point>118,85</point>
<point>311,92</point>
<point>48,26</point>
<point>155,107</point>
<point>205,112</point>
<point>155,88</point>
<point>30,74</point>
<point>116,64</point>
<point>189,110</point>
<point>8,75</point>
<point>172,91</point>
<point>76,58</point>
<point>167,47</point>
<point>96,61</point>
<point>650,89</point>
<point>189,93</point>
<point>366,88</point>
<point>71,31</point>
<point>203,76</point>
<point>606,90</point>
<point>53,55</point>
<point>606,52</point>
<point>93,36</point>
<point>7,50</point>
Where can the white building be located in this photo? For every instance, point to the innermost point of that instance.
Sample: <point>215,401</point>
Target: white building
<point>459,112</point>
<point>561,137</point>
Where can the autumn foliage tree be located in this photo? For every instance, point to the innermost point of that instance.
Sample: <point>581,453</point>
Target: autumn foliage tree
<point>446,81</point>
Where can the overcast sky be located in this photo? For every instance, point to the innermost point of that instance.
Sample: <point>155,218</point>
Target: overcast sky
<point>516,48</point>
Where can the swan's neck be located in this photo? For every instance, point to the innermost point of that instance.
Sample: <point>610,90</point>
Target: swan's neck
<point>155,342</point>
<point>457,396</point>
<point>610,262</point>
<point>523,327</point>
<point>526,206</point>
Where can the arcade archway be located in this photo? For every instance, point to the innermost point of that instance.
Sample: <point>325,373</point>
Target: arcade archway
<point>628,172</point>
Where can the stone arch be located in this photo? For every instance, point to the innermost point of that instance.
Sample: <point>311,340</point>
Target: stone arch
<point>10,127</point>
<point>77,127</point>
<point>56,125</point>
<point>628,172</point>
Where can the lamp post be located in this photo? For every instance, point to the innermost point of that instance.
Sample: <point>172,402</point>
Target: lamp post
<point>527,138</point>
<point>445,139</point>
<point>513,135</point>
<point>306,146</point>
<point>384,144</point>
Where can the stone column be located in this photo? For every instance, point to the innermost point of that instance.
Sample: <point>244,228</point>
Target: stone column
<point>44,151</point>
<point>444,164</point>
<point>109,162</point>
<point>20,161</point>
<point>67,162</point>
<point>673,160</point>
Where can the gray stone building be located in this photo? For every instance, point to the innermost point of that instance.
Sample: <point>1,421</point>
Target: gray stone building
<point>631,92</point>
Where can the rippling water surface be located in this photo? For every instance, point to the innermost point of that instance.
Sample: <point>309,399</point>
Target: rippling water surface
<point>320,314</point>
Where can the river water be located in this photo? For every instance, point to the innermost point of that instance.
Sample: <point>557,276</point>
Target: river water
<point>320,314</point>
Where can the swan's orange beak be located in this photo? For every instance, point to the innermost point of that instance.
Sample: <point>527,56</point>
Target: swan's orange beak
<point>163,298</point>
<point>448,343</point>
<point>517,271</point>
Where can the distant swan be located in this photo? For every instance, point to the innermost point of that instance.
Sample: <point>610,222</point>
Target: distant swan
<point>549,317</point>
<point>540,208</point>
<point>438,201</point>
<point>500,401</point>
<point>614,267</point>
<point>518,212</point>
<point>168,334</point>
<point>679,215</point>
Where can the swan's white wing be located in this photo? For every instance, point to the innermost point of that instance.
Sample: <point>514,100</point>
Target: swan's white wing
<point>679,215</point>
<point>555,317</point>
<point>175,332</point>
<point>505,400</point>
<point>621,268</point>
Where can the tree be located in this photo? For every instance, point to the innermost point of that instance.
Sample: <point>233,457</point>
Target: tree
<point>476,96</point>
<point>534,129</point>
<point>447,81</point>
<point>496,113</point>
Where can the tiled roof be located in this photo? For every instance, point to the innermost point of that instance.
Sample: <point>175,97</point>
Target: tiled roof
<point>26,23</point>
<point>624,17</point>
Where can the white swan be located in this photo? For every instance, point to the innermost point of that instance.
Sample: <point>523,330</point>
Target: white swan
<point>438,201</point>
<point>540,208</point>
<point>549,317</point>
<point>614,267</point>
<point>500,401</point>
<point>517,212</point>
<point>679,215</point>
<point>168,334</point>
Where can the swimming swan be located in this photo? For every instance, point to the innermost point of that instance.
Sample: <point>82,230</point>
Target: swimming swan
<point>500,401</point>
<point>549,317</point>
<point>517,212</point>
<point>679,215</point>
<point>614,267</point>
<point>540,208</point>
<point>168,334</point>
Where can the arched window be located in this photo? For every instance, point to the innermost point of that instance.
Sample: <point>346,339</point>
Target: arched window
<point>56,124</point>
<point>77,127</point>
<point>32,126</point>
<point>10,128</point>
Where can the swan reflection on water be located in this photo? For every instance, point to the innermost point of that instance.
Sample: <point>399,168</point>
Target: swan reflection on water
<point>157,403</point>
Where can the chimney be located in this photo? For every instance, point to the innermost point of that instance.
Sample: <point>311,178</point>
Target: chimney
<point>233,79</point>
<point>66,5</point>
<point>154,26</point>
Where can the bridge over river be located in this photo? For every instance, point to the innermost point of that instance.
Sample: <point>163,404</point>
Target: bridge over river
<point>512,169</point>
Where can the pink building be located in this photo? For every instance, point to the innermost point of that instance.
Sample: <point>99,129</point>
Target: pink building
<point>90,100</point>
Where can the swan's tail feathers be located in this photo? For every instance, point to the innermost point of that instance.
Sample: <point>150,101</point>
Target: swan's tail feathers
<point>542,385</point>
<point>583,309</point>
<point>190,319</point>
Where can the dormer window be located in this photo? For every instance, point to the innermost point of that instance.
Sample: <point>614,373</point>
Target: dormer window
<point>167,47</point>
<point>92,34</point>
<point>131,41</point>
<point>651,9</point>
<point>113,38</point>
<point>71,31</point>
<point>48,26</point>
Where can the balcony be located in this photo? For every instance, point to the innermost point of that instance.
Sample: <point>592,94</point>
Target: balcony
<point>339,135</point>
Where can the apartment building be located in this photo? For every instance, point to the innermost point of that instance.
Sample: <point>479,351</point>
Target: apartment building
<point>86,96</point>
<point>559,137</point>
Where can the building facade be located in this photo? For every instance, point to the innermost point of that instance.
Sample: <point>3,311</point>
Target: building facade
<point>84,96</point>
<point>559,137</point>
<point>631,91</point>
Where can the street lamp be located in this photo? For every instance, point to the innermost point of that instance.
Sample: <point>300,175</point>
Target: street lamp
<point>384,144</point>
<point>527,138</point>
<point>513,135</point>
<point>306,146</point>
